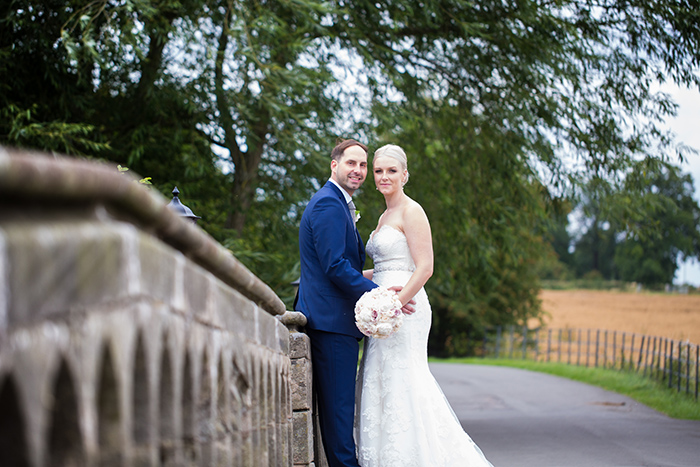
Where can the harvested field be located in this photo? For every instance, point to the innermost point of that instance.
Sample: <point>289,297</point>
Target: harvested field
<point>673,316</point>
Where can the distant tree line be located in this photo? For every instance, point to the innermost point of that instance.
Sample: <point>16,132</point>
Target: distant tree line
<point>637,233</point>
<point>238,102</point>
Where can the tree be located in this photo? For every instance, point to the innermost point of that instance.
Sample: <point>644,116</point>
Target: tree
<point>487,216</point>
<point>556,263</point>
<point>35,73</point>
<point>176,90</point>
<point>639,229</point>
<point>601,220</point>
<point>654,244</point>
<point>257,78</point>
<point>154,85</point>
<point>569,75</point>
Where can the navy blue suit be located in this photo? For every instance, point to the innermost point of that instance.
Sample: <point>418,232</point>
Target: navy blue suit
<point>332,257</point>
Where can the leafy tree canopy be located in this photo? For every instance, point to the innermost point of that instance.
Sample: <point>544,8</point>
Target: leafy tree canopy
<point>509,105</point>
<point>639,231</point>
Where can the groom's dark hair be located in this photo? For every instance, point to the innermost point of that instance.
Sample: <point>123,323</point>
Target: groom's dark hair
<point>342,145</point>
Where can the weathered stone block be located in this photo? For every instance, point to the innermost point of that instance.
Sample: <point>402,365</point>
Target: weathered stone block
<point>282,338</point>
<point>301,384</point>
<point>299,345</point>
<point>266,329</point>
<point>158,268</point>
<point>303,438</point>
<point>232,310</point>
<point>61,266</point>
<point>195,285</point>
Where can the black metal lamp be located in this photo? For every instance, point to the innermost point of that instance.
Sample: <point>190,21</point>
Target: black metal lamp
<point>180,209</point>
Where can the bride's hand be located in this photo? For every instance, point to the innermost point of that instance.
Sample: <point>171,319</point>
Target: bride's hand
<point>407,309</point>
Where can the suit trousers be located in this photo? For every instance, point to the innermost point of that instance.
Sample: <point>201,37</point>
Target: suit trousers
<point>334,359</point>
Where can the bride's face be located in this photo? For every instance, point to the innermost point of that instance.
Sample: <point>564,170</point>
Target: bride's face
<point>388,175</point>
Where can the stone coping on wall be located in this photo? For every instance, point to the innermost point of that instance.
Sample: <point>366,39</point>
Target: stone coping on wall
<point>34,178</point>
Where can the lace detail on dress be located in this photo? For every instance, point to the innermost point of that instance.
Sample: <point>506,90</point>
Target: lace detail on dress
<point>389,251</point>
<point>402,418</point>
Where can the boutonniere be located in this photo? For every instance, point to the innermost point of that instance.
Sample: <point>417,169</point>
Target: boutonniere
<point>357,216</point>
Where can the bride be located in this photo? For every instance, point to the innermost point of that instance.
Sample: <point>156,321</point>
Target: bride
<point>402,418</point>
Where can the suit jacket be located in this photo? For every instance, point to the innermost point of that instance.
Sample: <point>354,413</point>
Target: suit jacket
<point>332,257</point>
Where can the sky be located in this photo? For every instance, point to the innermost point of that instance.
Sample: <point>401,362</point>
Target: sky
<point>686,125</point>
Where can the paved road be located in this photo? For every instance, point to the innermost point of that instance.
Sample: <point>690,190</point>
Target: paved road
<point>521,418</point>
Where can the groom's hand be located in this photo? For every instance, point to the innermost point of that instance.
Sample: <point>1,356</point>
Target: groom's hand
<point>407,309</point>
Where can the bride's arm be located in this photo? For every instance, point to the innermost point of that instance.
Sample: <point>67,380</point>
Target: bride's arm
<point>417,230</point>
<point>368,273</point>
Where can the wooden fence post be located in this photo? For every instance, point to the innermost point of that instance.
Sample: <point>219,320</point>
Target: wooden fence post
<point>670,365</point>
<point>588,347</point>
<point>511,340</point>
<point>605,349</point>
<point>559,346</point>
<point>622,351</point>
<point>665,359</point>
<point>697,358</point>
<point>632,352</point>
<point>680,366</point>
<point>687,367</point>
<point>578,350</point>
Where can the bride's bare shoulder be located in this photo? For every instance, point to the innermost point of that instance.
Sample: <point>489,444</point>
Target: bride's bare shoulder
<point>413,209</point>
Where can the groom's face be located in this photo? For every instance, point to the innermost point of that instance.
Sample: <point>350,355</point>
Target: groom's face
<point>351,169</point>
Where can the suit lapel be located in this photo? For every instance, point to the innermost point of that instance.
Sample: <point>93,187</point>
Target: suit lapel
<point>358,239</point>
<point>340,196</point>
<point>360,247</point>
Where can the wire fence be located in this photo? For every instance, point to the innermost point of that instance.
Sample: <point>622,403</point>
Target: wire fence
<point>675,363</point>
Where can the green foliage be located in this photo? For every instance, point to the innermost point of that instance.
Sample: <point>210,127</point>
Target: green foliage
<point>556,261</point>
<point>24,130</point>
<point>143,181</point>
<point>666,232</point>
<point>239,102</point>
<point>638,230</point>
<point>487,216</point>
<point>565,76</point>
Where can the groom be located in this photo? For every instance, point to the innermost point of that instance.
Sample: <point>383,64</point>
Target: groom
<point>332,257</point>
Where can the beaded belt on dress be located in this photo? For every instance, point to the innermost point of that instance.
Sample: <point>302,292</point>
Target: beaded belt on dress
<point>383,268</point>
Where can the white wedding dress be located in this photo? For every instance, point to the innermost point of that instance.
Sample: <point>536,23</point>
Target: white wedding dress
<point>402,417</point>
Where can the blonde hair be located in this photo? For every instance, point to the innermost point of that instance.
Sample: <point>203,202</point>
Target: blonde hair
<point>396,153</point>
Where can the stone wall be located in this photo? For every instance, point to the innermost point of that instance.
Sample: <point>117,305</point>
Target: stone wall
<point>301,389</point>
<point>129,337</point>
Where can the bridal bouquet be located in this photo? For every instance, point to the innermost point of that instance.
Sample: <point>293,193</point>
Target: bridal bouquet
<point>378,313</point>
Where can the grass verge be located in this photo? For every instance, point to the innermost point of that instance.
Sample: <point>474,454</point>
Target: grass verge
<point>647,391</point>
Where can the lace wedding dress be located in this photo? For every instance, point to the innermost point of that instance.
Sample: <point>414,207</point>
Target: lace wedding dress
<point>402,417</point>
